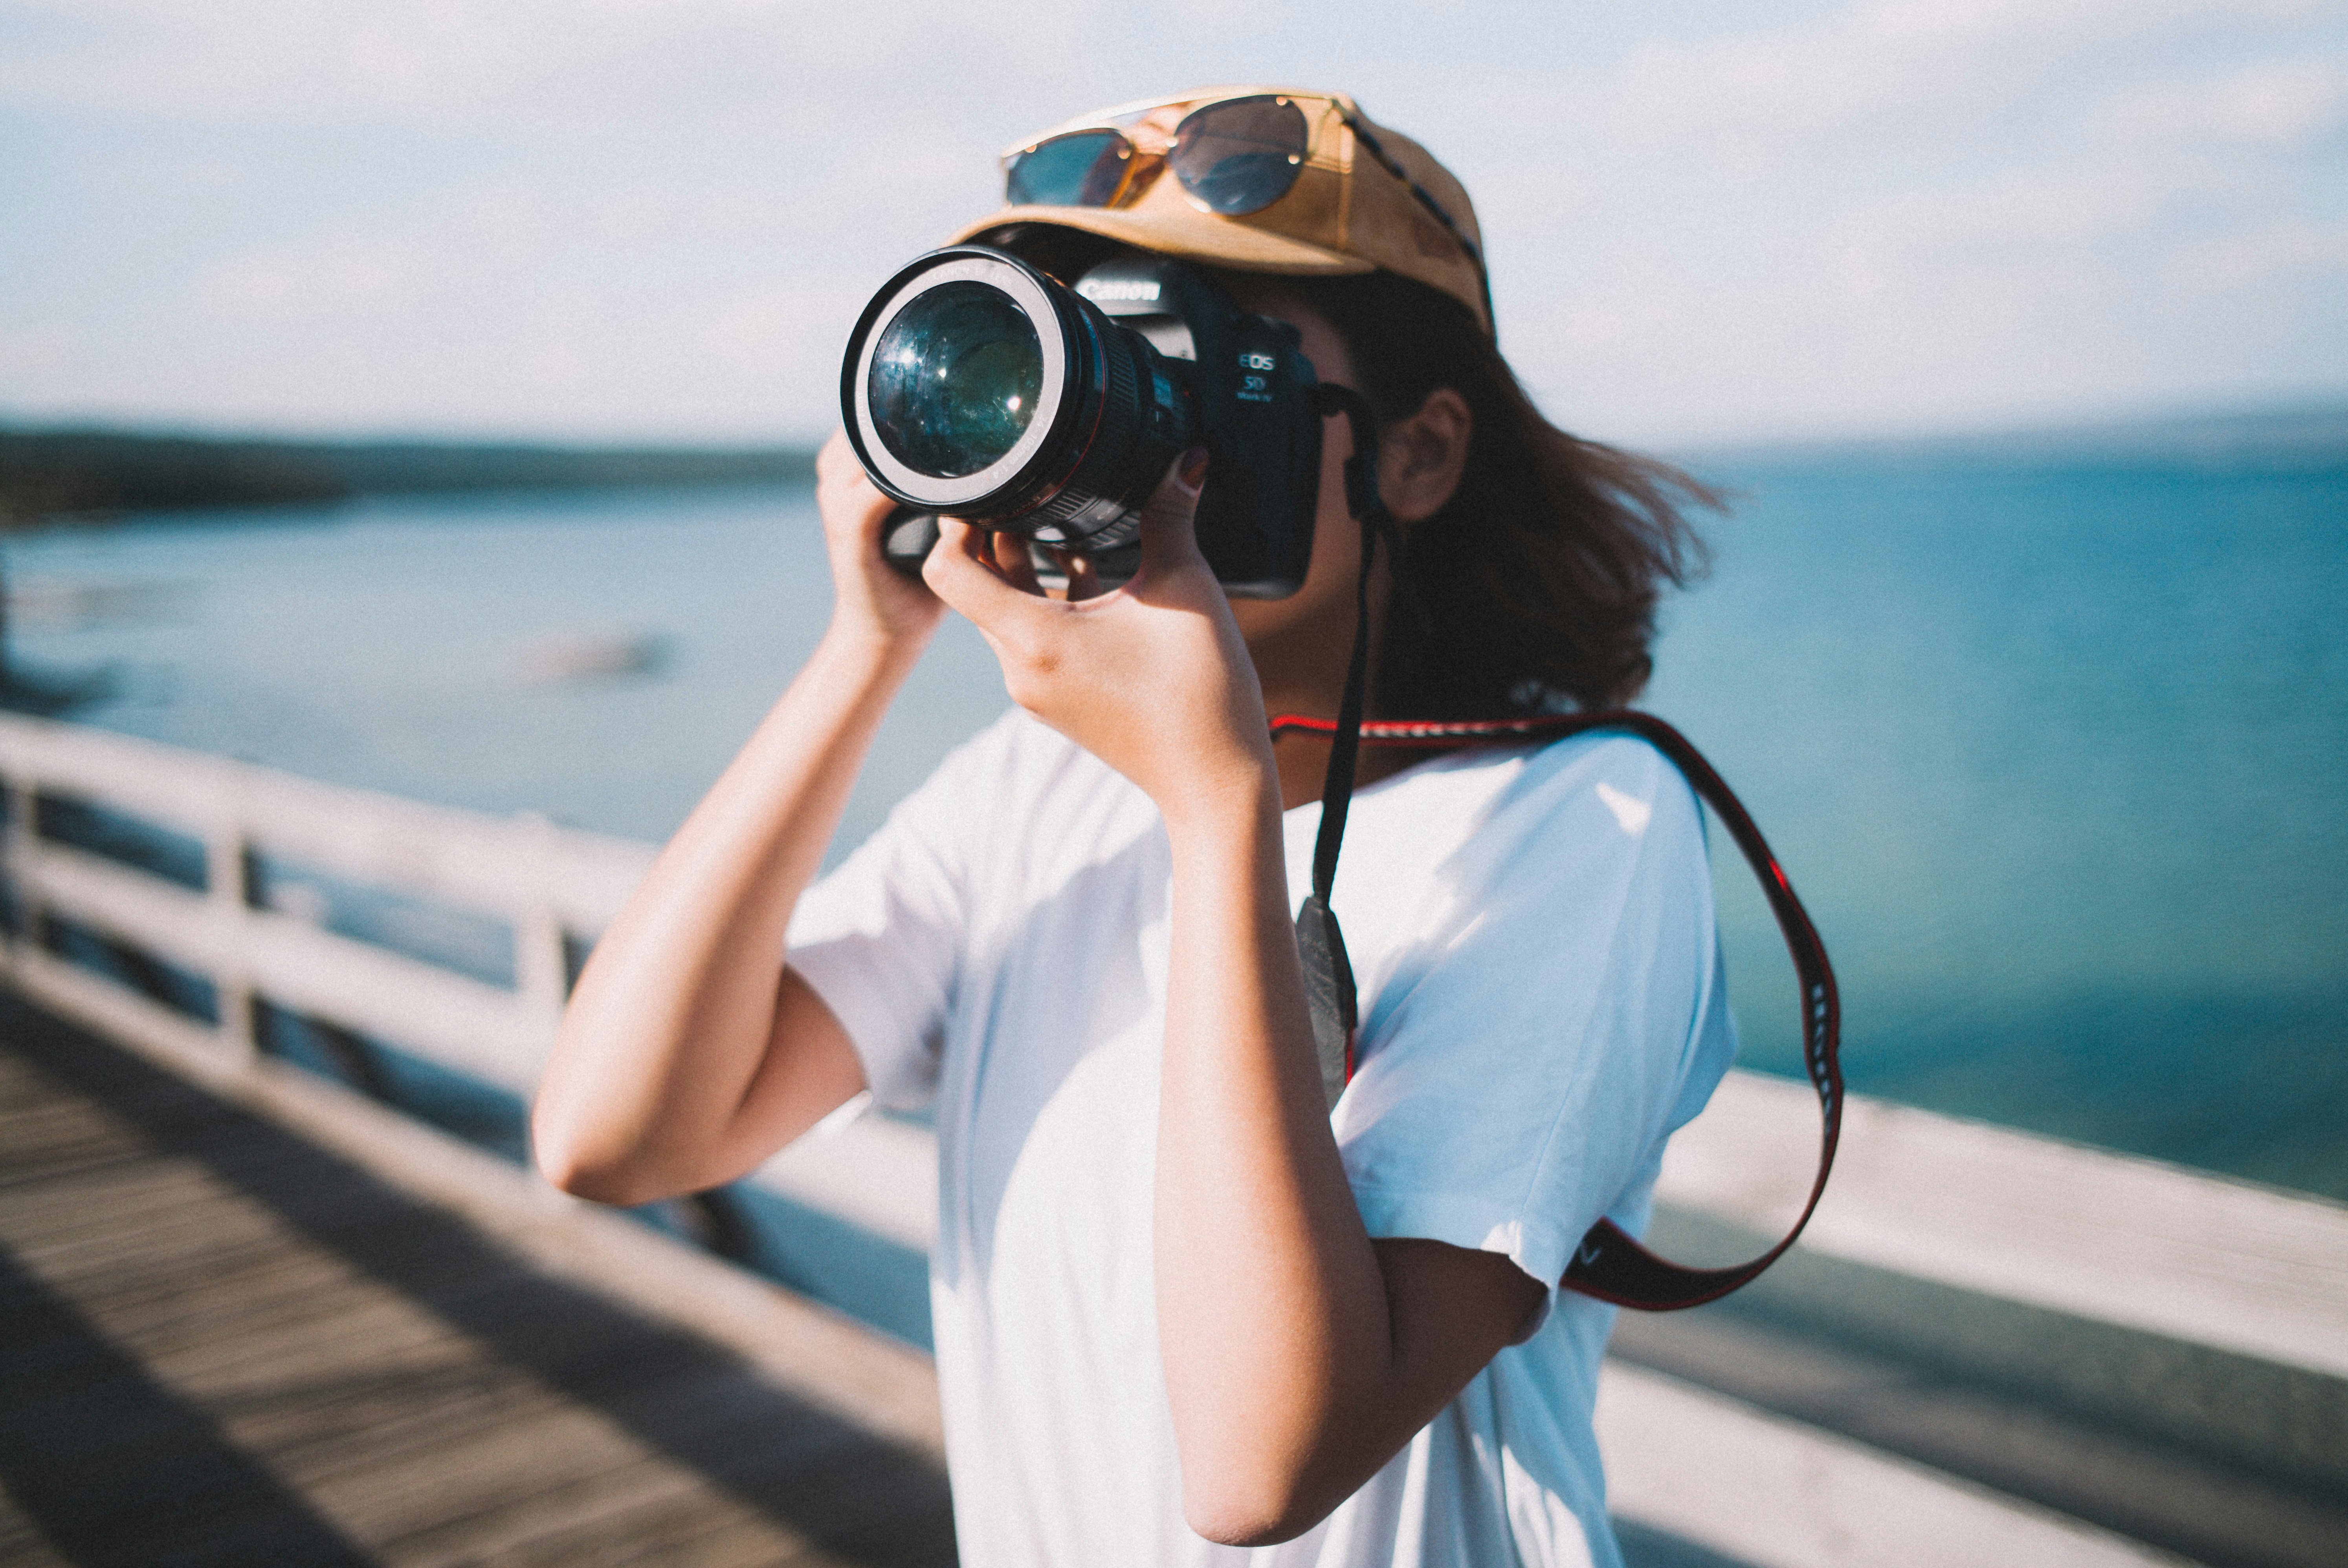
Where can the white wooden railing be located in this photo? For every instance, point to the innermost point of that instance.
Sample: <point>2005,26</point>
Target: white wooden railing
<point>2140,1244</point>
<point>542,882</point>
<point>553,888</point>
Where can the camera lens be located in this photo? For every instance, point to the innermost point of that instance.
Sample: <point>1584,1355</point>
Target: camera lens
<point>978,386</point>
<point>954,379</point>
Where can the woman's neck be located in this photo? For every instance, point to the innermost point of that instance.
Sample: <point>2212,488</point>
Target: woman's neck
<point>1302,670</point>
<point>1304,763</point>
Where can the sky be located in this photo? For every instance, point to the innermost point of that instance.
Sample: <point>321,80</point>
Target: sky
<point>656,219</point>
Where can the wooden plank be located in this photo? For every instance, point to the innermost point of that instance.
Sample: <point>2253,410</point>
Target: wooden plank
<point>408,1389</point>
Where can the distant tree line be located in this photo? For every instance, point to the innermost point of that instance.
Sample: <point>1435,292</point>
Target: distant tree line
<point>63,473</point>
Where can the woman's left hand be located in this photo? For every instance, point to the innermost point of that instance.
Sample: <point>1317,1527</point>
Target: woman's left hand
<point>1152,678</point>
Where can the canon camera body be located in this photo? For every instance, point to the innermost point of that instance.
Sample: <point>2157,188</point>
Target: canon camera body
<point>980,386</point>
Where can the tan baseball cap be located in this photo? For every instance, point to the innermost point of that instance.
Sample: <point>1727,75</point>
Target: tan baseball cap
<point>1364,199</point>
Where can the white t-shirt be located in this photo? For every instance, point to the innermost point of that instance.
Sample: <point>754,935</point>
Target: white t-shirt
<point>1542,1004</point>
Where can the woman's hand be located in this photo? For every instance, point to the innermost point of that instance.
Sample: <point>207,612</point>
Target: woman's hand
<point>872,598</point>
<point>1152,678</point>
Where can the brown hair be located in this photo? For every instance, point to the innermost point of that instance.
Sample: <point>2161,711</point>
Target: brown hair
<point>1539,576</point>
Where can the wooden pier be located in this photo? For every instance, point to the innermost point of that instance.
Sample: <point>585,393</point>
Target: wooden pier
<point>223,1344</point>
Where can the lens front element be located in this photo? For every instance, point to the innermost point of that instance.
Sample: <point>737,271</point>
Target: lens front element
<point>955,379</point>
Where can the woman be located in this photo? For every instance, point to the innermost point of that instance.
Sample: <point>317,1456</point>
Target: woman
<point>1181,1306</point>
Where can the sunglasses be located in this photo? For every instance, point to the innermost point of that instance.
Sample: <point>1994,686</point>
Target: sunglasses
<point>1232,157</point>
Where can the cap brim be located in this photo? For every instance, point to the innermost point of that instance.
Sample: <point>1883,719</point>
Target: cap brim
<point>1182,231</point>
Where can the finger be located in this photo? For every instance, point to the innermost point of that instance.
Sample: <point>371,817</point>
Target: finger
<point>837,455</point>
<point>837,470</point>
<point>962,571</point>
<point>1168,540</point>
<point>1084,579</point>
<point>843,488</point>
<point>1016,563</point>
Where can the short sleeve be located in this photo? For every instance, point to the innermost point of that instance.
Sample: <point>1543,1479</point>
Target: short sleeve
<point>879,938</point>
<point>1547,1007</point>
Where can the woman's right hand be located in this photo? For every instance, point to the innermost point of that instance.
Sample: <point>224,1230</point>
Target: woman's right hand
<point>872,598</point>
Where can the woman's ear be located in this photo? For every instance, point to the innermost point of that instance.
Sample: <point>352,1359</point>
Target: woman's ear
<point>1422,456</point>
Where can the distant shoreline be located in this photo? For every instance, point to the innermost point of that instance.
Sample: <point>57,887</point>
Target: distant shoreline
<point>2311,439</point>
<point>88,475</point>
<point>69,476</point>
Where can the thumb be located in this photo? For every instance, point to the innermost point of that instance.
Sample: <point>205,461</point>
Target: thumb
<point>1169,540</point>
<point>959,570</point>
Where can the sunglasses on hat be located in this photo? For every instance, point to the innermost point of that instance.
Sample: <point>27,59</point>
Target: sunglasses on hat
<point>1232,156</point>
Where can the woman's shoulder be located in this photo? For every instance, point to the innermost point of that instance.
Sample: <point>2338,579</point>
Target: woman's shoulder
<point>1609,781</point>
<point>1637,784</point>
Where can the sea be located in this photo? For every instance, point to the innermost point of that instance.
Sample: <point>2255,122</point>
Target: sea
<point>2048,729</point>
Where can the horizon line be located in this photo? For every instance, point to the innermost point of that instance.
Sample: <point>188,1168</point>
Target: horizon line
<point>2166,414</point>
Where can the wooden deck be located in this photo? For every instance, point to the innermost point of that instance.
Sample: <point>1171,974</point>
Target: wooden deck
<point>221,1344</point>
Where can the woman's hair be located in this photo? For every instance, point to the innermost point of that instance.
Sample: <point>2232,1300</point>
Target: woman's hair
<point>1538,579</point>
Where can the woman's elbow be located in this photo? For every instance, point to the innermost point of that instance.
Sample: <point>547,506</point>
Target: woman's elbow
<point>1253,1511</point>
<point>572,1162</point>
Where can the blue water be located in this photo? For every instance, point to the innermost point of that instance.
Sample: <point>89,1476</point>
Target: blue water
<point>391,645</point>
<point>2053,751</point>
<point>2048,735</point>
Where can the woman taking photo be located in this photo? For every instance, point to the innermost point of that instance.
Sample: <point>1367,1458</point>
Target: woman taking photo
<point>1181,1307</point>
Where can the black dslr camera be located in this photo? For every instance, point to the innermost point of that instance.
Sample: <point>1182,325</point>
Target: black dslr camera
<point>980,386</point>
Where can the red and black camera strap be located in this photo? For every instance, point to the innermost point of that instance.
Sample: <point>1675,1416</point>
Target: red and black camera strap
<point>1607,1263</point>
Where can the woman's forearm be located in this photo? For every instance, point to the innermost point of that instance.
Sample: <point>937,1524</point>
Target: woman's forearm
<point>1271,1308</point>
<point>1300,1353</point>
<point>671,1073</point>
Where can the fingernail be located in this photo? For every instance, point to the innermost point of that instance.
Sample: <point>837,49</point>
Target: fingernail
<point>1193,472</point>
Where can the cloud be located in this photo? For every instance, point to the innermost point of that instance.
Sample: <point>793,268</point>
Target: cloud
<point>2029,212</point>
<point>2268,255</point>
<point>1905,212</point>
<point>785,329</point>
<point>558,62</point>
<point>35,355</point>
<point>660,216</point>
<point>2283,104</point>
<point>1758,99</point>
<point>336,278</point>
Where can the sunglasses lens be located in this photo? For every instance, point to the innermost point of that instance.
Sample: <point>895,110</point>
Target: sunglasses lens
<point>1084,169</point>
<point>1239,156</point>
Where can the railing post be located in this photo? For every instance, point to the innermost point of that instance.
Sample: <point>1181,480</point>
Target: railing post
<point>227,878</point>
<point>541,975</point>
<point>21,847</point>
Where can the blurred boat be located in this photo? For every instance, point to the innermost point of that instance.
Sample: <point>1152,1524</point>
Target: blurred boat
<point>587,656</point>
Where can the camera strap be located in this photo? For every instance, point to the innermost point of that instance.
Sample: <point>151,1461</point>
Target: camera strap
<point>1607,1263</point>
